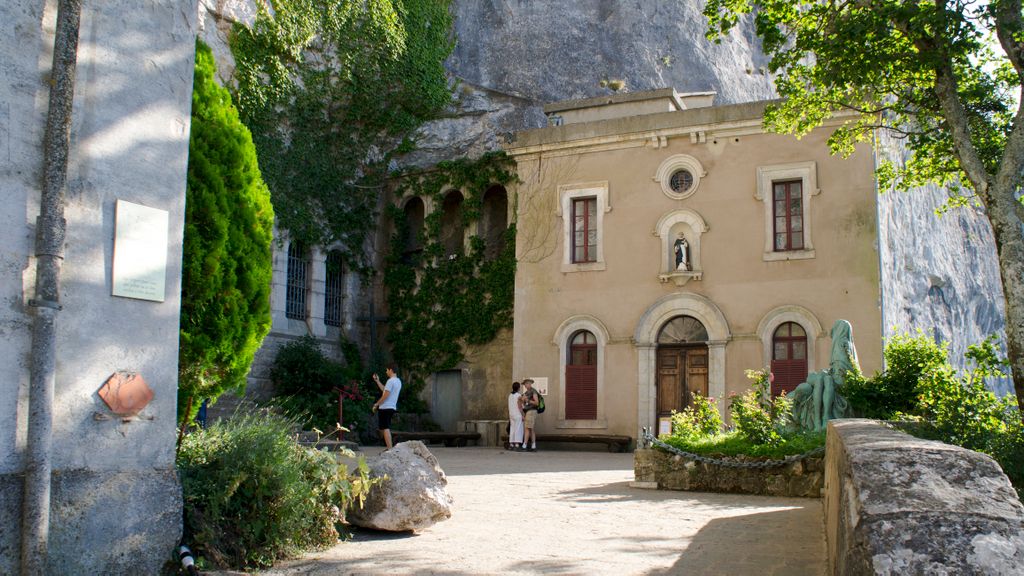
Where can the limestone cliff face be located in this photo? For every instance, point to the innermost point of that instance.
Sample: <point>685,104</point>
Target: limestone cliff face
<point>549,51</point>
<point>940,274</point>
<point>514,56</point>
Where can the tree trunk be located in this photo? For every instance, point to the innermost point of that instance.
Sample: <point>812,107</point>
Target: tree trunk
<point>1009,235</point>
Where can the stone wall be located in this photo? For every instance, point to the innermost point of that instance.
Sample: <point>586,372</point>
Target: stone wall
<point>115,497</point>
<point>895,504</point>
<point>657,468</point>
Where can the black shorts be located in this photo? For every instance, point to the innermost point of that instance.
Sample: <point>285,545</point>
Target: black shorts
<point>384,418</point>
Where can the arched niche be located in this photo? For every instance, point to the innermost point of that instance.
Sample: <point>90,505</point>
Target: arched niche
<point>672,228</point>
<point>493,220</point>
<point>452,233</point>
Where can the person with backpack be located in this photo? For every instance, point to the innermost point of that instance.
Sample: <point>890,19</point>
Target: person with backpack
<point>533,404</point>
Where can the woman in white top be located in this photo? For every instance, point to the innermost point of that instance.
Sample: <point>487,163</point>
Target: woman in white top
<point>515,417</point>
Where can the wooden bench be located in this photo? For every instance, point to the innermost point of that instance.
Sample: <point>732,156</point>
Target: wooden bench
<point>449,438</point>
<point>614,443</point>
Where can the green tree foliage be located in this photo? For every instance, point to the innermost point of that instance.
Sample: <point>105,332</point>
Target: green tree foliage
<point>226,261</point>
<point>895,391</point>
<point>699,419</point>
<point>928,72</point>
<point>438,304</point>
<point>308,385</point>
<point>253,496</point>
<point>331,90</point>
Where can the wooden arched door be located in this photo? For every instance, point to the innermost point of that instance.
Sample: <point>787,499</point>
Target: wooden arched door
<point>682,368</point>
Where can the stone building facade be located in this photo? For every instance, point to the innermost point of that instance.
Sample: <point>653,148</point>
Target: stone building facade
<point>666,245</point>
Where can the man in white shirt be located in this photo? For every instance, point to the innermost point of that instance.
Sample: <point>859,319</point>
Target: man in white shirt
<point>388,403</point>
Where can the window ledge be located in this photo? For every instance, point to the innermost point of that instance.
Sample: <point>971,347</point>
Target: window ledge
<point>681,277</point>
<point>587,267</point>
<point>582,424</point>
<point>788,255</point>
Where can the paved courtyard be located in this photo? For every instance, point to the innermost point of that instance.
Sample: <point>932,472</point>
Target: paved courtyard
<point>574,513</point>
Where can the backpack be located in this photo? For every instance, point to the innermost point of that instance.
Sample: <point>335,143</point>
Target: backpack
<point>540,403</point>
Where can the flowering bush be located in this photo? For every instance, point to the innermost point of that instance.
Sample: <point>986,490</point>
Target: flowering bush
<point>756,414</point>
<point>698,420</point>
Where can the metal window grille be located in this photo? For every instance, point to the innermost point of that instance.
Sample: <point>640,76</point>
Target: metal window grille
<point>295,291</point>
<point>332,289</point>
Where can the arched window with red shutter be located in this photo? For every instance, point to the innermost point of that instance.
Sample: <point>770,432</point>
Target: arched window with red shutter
<point>789,357</point>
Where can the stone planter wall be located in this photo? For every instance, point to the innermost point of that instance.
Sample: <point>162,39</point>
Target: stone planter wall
<point>895,504</point>
<point>659,469</point>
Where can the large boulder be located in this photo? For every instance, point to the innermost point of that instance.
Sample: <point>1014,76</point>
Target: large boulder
<point>412,497</point>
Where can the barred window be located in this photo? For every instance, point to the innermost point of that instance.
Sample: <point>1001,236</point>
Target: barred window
<point>298,275</point>
<point>333,288</point>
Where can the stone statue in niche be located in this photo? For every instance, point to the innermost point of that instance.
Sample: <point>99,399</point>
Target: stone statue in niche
<point>682,254</point>
<point>817,400</point>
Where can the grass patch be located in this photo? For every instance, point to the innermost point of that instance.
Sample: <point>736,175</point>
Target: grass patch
<point>734,444</point>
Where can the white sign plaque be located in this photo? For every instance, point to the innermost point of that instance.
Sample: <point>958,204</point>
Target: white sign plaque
<point>540,384</point>
<point>140,251</point>
<point>664,425</point>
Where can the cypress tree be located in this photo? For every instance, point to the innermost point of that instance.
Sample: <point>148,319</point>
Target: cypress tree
<point>226,263</point>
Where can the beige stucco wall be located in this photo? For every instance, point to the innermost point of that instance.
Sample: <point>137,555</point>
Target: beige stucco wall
<point>840,281</point>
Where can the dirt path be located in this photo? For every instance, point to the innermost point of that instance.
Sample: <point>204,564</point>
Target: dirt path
<point>574,513</point>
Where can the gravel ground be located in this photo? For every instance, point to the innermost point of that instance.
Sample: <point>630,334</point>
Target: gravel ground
<point>562,512</point>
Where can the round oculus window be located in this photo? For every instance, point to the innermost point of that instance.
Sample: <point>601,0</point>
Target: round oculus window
<point>681,181</point>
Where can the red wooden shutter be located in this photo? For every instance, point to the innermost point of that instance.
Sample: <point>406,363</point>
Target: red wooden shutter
<point>788,375</point>
<point>581,392</point>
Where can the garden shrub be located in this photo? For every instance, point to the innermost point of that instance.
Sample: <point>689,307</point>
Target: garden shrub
<point>759,423</point>
<point>253,496</point>
<point>752,420</point>
<point>887,395</point>
<point>950,407</point>
<point>305,381</point>
<point>756,414</point>
<point>699,419</point>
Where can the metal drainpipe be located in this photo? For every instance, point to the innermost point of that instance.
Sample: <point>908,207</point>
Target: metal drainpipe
<point>50,230</point>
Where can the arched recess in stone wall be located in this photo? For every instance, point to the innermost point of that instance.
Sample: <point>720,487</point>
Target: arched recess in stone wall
<point>645,338</point>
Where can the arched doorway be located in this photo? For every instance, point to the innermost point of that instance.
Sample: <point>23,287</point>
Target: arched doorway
<point>682,365</point>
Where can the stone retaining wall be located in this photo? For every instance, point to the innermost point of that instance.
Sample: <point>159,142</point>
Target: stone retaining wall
<point>655,468</point>
<point>895,504</point>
